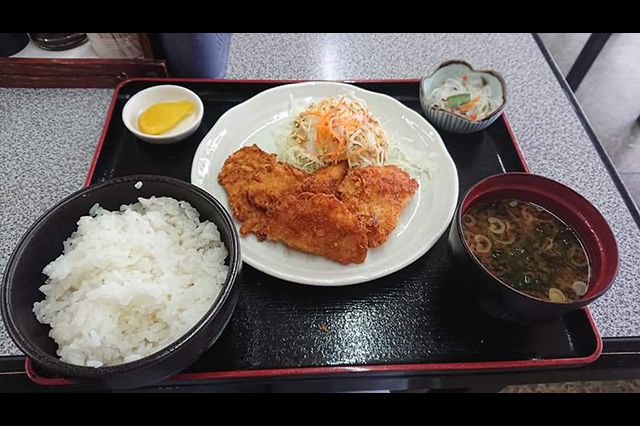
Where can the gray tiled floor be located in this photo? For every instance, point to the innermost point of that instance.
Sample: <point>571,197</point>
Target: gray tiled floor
<point>610,97</point>
<point>613,386</point>
<point>564,47</point>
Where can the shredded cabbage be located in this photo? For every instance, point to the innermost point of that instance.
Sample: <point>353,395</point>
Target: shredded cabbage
<point>347,131</point>
<point>413,161</point>
<point>333,130</point>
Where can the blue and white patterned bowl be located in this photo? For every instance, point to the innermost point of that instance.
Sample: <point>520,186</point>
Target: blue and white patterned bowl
<point>448,121</point>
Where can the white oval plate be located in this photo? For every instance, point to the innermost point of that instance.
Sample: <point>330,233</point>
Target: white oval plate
<point>421,224</point>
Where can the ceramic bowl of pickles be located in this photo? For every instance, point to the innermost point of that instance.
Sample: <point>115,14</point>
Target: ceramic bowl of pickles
<point>163,114</point>
<point>457,98</point>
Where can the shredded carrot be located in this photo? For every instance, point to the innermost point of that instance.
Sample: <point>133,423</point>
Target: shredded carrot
<point>466,107</point>
<point>332,143</point>
<point>344,130</point>
<point>316,113</point>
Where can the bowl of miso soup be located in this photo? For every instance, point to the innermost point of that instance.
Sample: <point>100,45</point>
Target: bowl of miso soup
<point>529,249</point>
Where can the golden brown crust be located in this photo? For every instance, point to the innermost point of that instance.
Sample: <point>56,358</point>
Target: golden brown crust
<point>335,212</point>
<point>238,170</point>
<point>377,195</point>
<point>272,182</point>
<point>326,179</point>
<point>318,224</point>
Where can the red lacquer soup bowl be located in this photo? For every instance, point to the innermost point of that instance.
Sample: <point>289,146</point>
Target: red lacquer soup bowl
<point>497,298</point>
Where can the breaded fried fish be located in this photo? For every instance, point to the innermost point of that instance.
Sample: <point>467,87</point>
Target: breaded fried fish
<point>334,212</point>
<point>377,195</point>
<point>237,172</point>
<point>326,179</point>
<point>272,182</point>
<point>318,224</point>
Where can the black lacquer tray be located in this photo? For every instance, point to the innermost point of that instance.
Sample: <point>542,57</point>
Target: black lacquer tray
<point>406,323</point>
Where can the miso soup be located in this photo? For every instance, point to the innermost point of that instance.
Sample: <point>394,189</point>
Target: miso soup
<point>528,248</point>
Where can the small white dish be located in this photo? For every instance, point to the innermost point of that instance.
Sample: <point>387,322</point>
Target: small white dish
<point>164,93</point>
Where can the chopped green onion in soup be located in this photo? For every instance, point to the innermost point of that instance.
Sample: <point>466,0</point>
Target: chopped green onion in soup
<point>528,248</point>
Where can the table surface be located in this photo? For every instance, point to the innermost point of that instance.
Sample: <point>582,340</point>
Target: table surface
<point>48,136</point>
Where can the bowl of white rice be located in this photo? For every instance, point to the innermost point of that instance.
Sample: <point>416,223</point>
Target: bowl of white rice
<point>124,283</point>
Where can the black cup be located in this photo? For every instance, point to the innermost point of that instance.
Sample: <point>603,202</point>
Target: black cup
<point>12,43</point>
<point>58,41</point>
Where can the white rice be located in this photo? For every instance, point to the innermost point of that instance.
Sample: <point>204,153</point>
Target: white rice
<point>130,282</point>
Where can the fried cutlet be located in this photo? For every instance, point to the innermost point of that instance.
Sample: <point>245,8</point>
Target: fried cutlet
<point>377,195</point>
<point>326,179</point>
<point>238,170</point>
<point>272,182</point>
<point>318,224</point>
<point>335,212</point>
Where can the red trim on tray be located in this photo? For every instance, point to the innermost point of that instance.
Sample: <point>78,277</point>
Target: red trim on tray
<point>516,144</point>
<point>286,372</point>
<point>116,91</point>
<point>237,80</point>
<point>308,371</point>
<point>45,381</point>
<point>103,135</point>
<point>280,372</point>
<point>596,354</point>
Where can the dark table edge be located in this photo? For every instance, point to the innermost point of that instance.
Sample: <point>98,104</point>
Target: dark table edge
<point>617,180</point>
<point>629,344</point>
<point>620,358</point>
<point>610,366</point>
